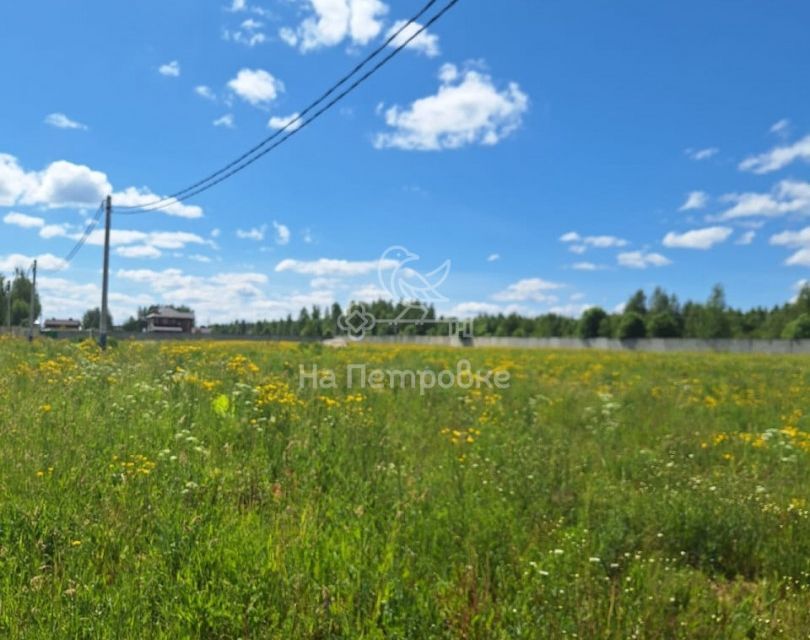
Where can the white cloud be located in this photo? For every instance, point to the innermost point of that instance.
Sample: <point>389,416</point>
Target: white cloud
<point>778,157</point>
<point>282,233</point>
<point>702,154</point>
<point>493,257</point>
<point>369,293</point>
<point>331,267</point>
<point>332,21</point>
<point>795,240</point>
<point>205,92</point>
<point>256,86</point>
<point>54,231</point>
<point>23,220</point>
<point>198,257</point>
<point>170,69</point>
<point>280,122</point>
<point>746,238</point>
<point>528,289</point>
<point>139,251</point>
<point>129,243</point>
<point>586,266</point>
<point>288,36</point>
<point>257,233</point>
<point>604,242</point>
<point>698,238</point>
<point>134,197</point>
<point>215,233</point>
<point>63,184</point>
<point>226,121</point>
<point>642,260</point>
<point>61,121</point>
<point>426,42</point>
<point>45,262</point>
<point>792,239</point>
<point>788,196</point>
<point>249,34</point>
<point>325,283</point>
<point>597,242</point>
<point>472,309</point>
<point>781,128</point>
<point>571,310</point>
<point>799,259</point>
<point>695,200</point>
<point>468,109</point>
<point>14,181</point>
<point>223,296</point>
<point>175,239</point>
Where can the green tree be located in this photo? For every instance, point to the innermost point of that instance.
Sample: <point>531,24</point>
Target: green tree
<point>4,296</point>
<point>716,319</point>
<point>21,299</point>
<point>632,326</point>
<point>589,323</point>
<point>19,312</point>
<point>637,303</point>
<point>660,302</point>
<point>131,324</point>
<point>802,303</point>
<point>664,325</point>
<point>798,329</point>
<point>92,319</point>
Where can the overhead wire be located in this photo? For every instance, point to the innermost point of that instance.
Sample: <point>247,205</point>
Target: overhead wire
<point>83,238</point>
<point>300,116</point>
<point>297,124</point>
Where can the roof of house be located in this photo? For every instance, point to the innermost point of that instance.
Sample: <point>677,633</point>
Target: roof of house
<point>171,312</point>
<point>62,321</point>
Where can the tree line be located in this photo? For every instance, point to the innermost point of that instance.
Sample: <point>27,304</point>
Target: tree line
<point>17,291</point>
<point>659,315</point>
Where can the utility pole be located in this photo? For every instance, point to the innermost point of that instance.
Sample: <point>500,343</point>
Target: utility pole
<point>8,306</point>
<point>31,306</point>
<point>105,280</point>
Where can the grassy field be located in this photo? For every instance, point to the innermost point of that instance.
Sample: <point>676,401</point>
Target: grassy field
<point>196,491</point>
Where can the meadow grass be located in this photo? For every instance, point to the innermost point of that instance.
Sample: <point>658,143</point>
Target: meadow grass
<point>195,490</point>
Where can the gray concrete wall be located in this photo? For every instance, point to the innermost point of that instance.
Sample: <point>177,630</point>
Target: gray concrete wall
<point>657,345</point>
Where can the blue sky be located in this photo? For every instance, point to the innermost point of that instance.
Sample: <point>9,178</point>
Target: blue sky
<point>560,154</point>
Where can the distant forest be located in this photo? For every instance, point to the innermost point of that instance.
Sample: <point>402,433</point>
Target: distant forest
<point>659,315</point>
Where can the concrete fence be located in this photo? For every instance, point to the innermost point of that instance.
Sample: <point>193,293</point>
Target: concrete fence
<point>657,345</point>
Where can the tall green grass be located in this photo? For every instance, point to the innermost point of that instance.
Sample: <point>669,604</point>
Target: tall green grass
<point>196,491</point>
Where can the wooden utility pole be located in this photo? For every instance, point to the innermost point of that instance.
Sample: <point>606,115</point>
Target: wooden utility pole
<point>105,279</point>
<point>31,306</point>
<point>8,306</point>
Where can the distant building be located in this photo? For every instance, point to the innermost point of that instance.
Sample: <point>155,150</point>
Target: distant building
<point>56,324</point>
<point>170,320</point>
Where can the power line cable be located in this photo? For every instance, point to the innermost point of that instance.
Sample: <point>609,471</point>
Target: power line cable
<point>83,238</point>
<point>246,160</point>
<point>299,117</point>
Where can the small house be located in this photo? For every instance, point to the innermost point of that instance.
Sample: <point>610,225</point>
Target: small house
<point>170,320</point>
<point>58,324</point>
